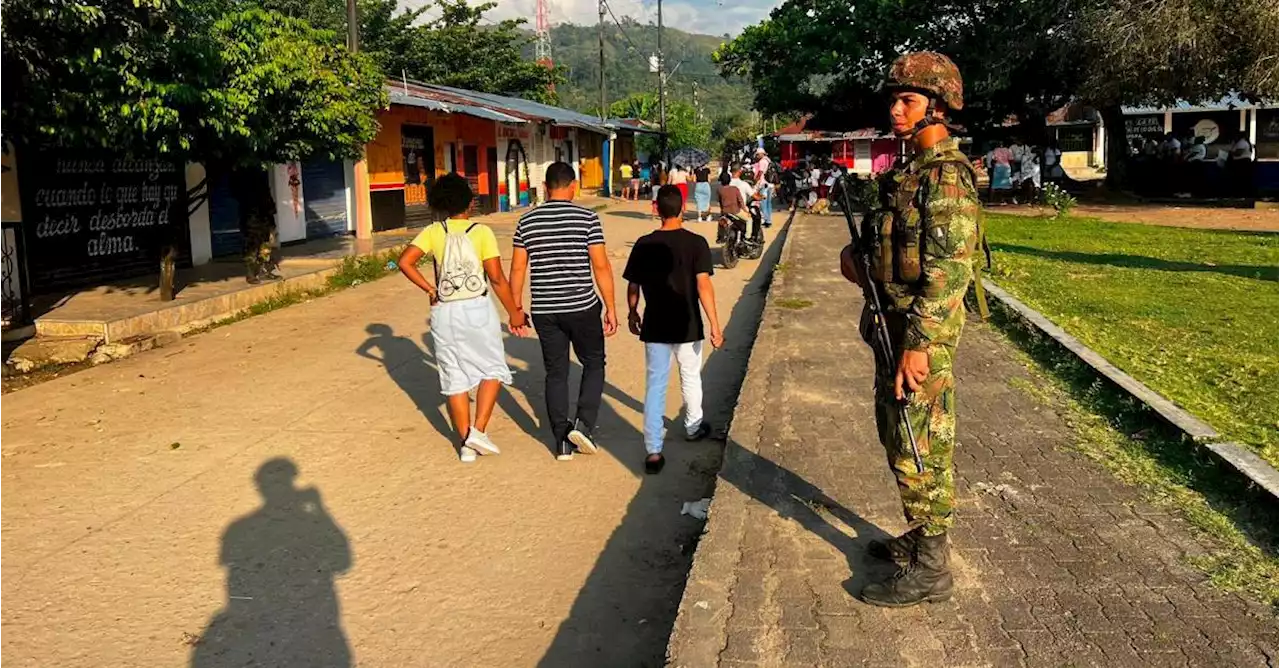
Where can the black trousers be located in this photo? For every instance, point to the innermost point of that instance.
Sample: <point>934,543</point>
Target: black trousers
<point>584,332</point>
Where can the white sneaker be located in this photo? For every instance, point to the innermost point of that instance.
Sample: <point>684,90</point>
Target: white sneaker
<point>480,442</point>
<point>466,455</point>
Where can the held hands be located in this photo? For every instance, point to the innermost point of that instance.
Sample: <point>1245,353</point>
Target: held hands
<point>913,369</point>
<point>717,338</point>
<point>850,267</point>
<point>610,323</point>
<point>519,323</point>
<point>433,295</point>
<point>634,322</point>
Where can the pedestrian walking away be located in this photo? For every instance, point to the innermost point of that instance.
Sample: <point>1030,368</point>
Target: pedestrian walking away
<point>466,335</point>
<point>922,281</point>
<point>702,193</point>
<point>671,269</point>
<point>560,245</point>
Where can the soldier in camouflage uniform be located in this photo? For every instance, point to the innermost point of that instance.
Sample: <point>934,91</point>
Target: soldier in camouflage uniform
<point>257,225</point>
<point>922,242</point>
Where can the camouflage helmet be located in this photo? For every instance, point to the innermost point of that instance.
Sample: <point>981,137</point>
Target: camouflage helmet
<point>930,73</point>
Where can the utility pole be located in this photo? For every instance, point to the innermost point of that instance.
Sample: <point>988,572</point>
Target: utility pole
<point>604,114</point>
<point>662,88</point>
<point>696,109</point>
<point>360,168</point>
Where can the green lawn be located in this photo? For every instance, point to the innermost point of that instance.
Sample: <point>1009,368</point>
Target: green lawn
<point>1193,314</point>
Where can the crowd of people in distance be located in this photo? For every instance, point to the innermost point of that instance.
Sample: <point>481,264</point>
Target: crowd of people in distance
<point>1018,171</point>
<point>1191,166</point>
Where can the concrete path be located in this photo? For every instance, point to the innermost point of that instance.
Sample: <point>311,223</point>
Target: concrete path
<point>1057,563</point>
<point>128,490</point>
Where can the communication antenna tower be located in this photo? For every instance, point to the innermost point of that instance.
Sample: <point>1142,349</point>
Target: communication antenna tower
<point>542,45</point>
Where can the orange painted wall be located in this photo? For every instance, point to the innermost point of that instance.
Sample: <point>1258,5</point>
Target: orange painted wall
<point>386,161</point>
<point>592,146</point>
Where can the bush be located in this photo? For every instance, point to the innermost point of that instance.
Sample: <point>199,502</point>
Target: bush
<point>1052,195</point>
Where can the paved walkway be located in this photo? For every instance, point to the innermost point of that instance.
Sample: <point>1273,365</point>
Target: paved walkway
<point>1058,564</point>
<point>149,519</point>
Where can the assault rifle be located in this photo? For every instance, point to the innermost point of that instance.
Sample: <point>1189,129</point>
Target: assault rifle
<point>881,343</point>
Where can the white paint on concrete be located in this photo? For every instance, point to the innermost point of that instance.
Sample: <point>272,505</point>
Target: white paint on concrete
<point>198,221</point>
<point>291,210</point>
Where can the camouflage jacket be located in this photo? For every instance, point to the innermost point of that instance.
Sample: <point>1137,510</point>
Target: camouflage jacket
<point>934,303</point>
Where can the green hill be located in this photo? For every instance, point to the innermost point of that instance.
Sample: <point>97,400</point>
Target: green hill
<point>577,49</point>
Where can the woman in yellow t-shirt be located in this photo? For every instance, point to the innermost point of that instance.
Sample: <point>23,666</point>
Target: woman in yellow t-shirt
<point>466,334</point>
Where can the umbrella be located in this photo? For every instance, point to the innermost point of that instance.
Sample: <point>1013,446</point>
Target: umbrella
<point>690,157</point>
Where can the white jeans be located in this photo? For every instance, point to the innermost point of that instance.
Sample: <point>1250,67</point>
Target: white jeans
<point>657,362</point>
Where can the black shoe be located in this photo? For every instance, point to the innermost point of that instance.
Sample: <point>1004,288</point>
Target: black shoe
<point>897,550</point>
<point>925,579</point>
<point>654,466</point>
<point>564,451</point>
<point>581,437</point>
<point>703,431</point>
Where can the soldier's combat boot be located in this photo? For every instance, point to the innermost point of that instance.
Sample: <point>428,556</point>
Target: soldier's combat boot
<point>897,550</point>
<point>252,273</point>
<point>926,578</point>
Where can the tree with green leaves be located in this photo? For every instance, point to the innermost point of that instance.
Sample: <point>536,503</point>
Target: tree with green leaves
<point>829,57</point>
<point>459,47</point>
<point>1156,52</point>
<point>225,84</point>
<point>684,127</point>
<point>1021,58</point>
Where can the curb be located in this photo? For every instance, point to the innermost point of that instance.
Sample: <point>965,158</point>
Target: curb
<point>1253,467</point>
<point>698,635</point>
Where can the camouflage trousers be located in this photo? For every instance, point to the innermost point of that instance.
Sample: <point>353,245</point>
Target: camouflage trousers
<point>260,247</point>
<point>927,498</point>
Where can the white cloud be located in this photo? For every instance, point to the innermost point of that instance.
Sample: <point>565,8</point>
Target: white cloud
<point>708,17</point>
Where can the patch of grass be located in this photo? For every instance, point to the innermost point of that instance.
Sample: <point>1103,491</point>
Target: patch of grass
<point>780,268</point>
<point>1124,436</point>
<point>358,269</point>
<point>352,271</point>
<point>793,303</point>
<point>1192,314</point>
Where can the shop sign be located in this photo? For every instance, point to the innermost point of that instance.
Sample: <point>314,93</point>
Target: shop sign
<point>513,131</point>
<point>1138,127</point>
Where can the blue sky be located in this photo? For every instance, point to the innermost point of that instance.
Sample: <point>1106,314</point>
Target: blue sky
<point>711,17</point>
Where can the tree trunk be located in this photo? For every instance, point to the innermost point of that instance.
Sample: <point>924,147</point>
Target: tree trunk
<point>168,267</point>
<point>1117,147</point>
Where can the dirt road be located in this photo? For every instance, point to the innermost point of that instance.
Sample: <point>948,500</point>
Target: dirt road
<point>151,516</point>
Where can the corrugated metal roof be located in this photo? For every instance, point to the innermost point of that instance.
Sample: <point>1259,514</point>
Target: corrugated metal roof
<point>1233,101</point>
<point>527,108</point>
<point>399,97</point>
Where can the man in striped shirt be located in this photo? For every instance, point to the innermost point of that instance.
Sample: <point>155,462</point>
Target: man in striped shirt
<point>561,246</point>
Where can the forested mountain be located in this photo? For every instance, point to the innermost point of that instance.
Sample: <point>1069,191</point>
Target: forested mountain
<point>576,48</point>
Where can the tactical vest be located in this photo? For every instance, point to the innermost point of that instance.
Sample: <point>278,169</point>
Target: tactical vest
<point>899,240</point>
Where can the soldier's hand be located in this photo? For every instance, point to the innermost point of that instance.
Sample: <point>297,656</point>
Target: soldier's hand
<point>849,265</point>
<point>913,369</point>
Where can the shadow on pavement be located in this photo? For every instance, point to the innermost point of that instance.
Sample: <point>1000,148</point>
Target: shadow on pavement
<point>414,372</point>
<point>625,611</point>
<point>281,560</point>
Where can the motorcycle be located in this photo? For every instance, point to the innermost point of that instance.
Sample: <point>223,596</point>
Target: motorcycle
<point>735,242</point>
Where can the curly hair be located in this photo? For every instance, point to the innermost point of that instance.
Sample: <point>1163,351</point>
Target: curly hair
<point>449,195</point>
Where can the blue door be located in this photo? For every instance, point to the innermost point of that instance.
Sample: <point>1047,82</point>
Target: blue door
<point>324,192</point>
<point>224,217</point>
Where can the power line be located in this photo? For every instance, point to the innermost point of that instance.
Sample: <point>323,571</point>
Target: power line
<point>620,28</point>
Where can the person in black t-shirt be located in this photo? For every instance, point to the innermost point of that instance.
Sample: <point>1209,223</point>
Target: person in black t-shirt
<point>671,268</point>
